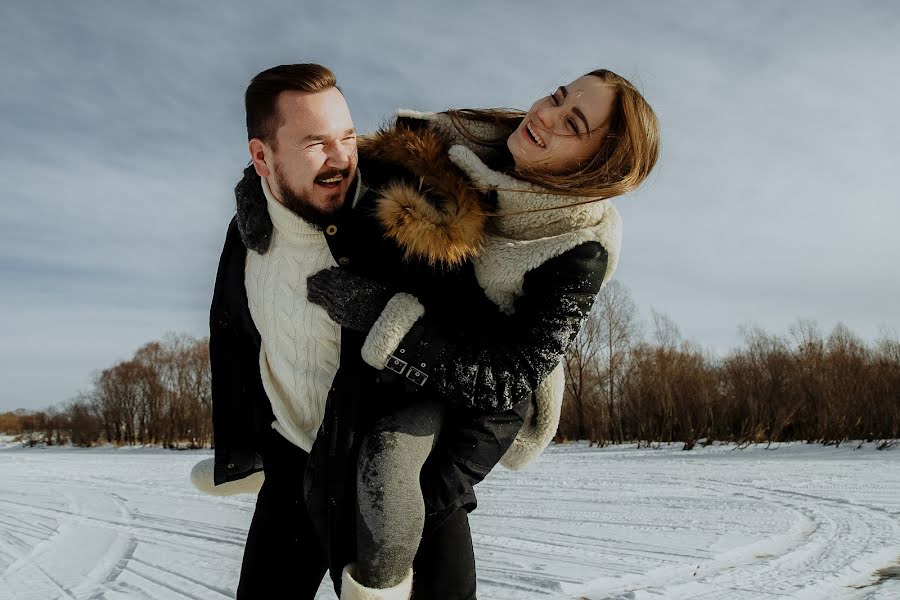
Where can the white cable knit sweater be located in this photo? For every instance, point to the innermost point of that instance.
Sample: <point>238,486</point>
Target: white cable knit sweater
<point>300,344</point>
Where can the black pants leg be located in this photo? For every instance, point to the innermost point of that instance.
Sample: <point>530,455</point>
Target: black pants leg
<point>282,558</point>
<point>444,568</point>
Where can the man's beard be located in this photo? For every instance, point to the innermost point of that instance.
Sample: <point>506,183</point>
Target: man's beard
<point>300,205</point>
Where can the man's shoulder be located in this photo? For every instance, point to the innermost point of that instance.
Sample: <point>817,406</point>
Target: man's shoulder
<point>232,228</point>
<point>233,249</point>
<point>232,234</point>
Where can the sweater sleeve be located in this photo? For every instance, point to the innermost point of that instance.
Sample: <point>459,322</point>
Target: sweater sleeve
<point>503,359</point>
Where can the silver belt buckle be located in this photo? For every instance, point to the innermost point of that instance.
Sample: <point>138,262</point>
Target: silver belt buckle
<point>416,376</point>
<point>396,365</point>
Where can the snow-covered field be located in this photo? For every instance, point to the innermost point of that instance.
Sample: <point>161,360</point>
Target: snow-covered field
<point>799,521</point>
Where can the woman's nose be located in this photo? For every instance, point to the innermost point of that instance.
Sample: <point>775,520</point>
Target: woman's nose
<point>547,115</point>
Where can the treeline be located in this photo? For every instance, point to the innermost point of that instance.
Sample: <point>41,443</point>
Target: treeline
<point>625,382</point>
<point>161,396</point>
<point>625,385</point>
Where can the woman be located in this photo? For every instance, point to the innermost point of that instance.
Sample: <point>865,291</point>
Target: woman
<point>522,199</point>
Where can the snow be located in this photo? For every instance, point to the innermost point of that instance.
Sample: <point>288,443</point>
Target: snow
<point>798,521</point>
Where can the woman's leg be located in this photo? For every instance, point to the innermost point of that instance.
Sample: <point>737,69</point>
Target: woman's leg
<point>389,498</point>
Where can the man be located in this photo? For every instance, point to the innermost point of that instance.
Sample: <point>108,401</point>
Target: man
<point>275,356</point>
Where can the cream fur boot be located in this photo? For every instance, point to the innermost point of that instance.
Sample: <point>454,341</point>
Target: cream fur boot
<point>353,590</point>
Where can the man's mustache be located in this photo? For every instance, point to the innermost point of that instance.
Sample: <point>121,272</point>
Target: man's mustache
<point>345,173</point>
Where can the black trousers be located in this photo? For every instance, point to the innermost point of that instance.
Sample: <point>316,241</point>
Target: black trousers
<point>283,557</point>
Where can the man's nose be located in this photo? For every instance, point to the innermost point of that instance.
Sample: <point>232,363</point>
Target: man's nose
<point>339,156</point>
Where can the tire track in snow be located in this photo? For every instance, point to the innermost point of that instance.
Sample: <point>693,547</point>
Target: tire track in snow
<point>643,519</point>
<point>181,576</point>
<point>89,513</point>
<point>114,560</point>
<point>39,584</point>
<point>850,542</point>
<point>832,547</point>
<point>129,526</point>
<point>553,535</point>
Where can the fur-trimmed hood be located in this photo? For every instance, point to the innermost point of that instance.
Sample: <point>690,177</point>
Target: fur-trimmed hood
<point>435,215</point>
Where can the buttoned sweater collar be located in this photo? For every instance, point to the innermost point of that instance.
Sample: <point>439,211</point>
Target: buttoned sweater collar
<point>254,217</point>
<point>283,219</point>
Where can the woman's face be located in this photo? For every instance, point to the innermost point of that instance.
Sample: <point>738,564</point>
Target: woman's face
<point>564,130</point>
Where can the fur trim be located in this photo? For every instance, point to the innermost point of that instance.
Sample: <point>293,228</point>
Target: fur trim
<point>396,320</point>
<point>541,422</point>
<point>440,221</point>
<point>202,478</point>
<point>353,590</point>
<point>252,212</point>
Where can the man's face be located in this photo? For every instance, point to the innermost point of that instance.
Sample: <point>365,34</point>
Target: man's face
<point>313,160</point>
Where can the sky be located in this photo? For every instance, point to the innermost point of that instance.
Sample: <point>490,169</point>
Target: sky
<point>122,135</point>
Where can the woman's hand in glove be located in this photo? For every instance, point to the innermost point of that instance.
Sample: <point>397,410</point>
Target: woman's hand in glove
<point>351,301</point>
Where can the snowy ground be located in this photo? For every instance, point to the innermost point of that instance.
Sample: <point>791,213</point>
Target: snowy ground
<point>801,522</point>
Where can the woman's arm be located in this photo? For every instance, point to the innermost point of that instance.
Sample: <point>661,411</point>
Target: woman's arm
<point>494,363</point>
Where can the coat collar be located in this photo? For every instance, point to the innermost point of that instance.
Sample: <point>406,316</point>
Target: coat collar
<point>434,214</point>
<point>252,215</point>
<point>253,219</point>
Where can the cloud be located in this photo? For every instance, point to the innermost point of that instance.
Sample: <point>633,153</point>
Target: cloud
<point>123,135</point>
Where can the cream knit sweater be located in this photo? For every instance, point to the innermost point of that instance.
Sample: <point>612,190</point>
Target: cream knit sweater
<point>300,347</point>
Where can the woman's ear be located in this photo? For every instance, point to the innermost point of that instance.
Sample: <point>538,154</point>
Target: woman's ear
<point>258,154</point>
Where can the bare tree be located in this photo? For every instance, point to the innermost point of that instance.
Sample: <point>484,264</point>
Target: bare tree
<point>618,329</point>
<point>84,424</point>
<point>581,369</point>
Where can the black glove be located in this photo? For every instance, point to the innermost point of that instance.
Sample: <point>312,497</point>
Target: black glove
<point>351,301</point>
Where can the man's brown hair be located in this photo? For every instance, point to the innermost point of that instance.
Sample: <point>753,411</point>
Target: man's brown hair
<point>261,97</point>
